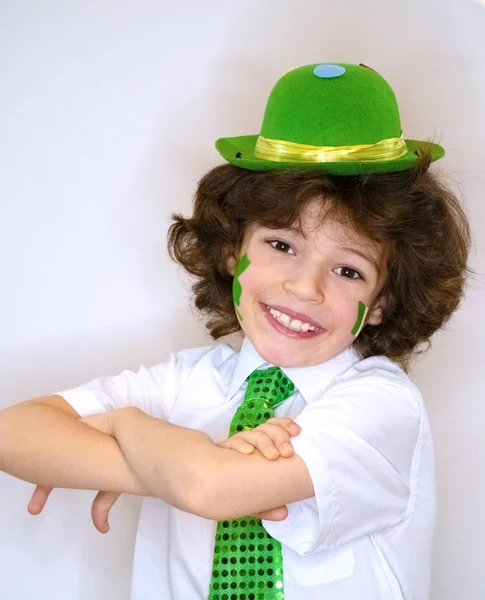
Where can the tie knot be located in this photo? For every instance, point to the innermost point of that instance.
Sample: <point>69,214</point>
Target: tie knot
<point>266,390</point>
<point>271,385</point>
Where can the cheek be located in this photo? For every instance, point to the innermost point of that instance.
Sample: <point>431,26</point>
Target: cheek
<point>242,265</point>
<point>256,278</point>
<point>346,313</point>
<point>362,310</point>
<point>344,309</point>
<point>251,287</point>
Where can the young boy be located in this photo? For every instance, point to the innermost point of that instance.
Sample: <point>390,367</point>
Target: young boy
<point>337,254</point>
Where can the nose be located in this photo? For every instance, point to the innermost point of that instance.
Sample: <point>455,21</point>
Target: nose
<point>305,285</point>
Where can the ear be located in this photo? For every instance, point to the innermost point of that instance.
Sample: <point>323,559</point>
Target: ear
<point>376,312</point>
<point>231,264</point>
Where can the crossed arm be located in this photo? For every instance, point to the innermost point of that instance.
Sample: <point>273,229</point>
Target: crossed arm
<point>45,442</point>
<point>192,473</point>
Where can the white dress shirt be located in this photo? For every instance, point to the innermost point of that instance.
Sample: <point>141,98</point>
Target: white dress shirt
<point>367,533</point>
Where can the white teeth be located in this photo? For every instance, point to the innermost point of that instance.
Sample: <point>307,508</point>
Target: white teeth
<point>294,324</point>
<point>285,319</point>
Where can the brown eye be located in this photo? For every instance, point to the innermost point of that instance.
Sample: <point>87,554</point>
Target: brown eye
<point>280,246</point>
<point>349,273</point>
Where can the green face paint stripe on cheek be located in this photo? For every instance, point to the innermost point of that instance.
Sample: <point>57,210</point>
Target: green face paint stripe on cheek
<point>360,322</point>
<point>242,264</point>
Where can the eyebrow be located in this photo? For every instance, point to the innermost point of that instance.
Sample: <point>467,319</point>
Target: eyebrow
<point>367,257</point>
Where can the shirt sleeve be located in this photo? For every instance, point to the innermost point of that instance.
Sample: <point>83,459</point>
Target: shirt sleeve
<point>153,389</point>
<point>358,442</point>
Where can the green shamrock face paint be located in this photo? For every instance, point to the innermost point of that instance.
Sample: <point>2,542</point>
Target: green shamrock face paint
<point>242,264</point>
<point>361,316</point>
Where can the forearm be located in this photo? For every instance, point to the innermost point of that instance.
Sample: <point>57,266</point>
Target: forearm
<point>186,469</point>
<point>169,459</point>
<point>43,445</point>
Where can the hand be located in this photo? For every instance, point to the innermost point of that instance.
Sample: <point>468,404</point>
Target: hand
<point>102,422</point>
<point>99,511</point>
<point>107,422</point>
<point>103,501</point>
<point>272,439</point>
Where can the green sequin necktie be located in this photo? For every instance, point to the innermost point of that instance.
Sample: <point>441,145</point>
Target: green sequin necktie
<point>248,564</point>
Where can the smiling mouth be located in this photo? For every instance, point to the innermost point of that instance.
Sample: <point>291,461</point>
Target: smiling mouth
<point>291,323</point>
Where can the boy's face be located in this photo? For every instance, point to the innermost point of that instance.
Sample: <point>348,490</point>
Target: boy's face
<point>297,297</point>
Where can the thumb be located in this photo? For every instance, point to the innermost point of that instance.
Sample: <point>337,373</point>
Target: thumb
<point>100,509</point>
<point>39,499</point>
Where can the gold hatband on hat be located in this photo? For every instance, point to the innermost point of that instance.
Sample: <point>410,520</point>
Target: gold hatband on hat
<point>282,151</point>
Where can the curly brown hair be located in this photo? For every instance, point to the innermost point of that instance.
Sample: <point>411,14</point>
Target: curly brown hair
<point>418,220</point>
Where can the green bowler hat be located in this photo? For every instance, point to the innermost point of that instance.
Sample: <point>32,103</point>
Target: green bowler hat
<point>339,118</point>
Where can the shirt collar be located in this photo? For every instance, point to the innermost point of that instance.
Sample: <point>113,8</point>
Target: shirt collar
<point>311,382</point>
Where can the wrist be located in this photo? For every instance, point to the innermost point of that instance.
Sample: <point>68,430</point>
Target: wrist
<point>121,418</point>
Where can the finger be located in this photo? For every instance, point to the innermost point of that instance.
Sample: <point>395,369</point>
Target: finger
<point>272,441</point>
<point>286,423</point>
<point>246,441</point>
<point>260,439</point>
<point>38,499</point>
<point>237,442</point>
<point>273,514</point>
<point>100,510</point>
<point>279,437</point>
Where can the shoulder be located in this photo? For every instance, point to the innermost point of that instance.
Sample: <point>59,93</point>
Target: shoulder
<point>373,394</point>
<point>376,371</point>
<point>379,384</point>
<point>371,408</point>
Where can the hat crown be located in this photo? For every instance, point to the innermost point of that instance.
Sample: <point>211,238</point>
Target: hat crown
<point>355,107</point>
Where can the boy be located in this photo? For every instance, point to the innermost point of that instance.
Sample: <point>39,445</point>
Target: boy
<point>336,253</point>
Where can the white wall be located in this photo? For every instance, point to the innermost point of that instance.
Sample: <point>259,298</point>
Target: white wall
<point>108,115</point>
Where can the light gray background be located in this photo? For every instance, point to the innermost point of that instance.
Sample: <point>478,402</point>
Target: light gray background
<point>108,114</point>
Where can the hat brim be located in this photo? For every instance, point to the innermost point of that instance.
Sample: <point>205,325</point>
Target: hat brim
<point>239,151</point>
